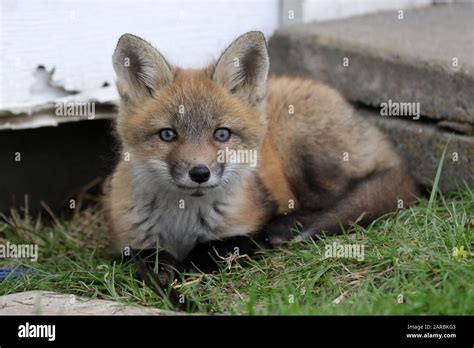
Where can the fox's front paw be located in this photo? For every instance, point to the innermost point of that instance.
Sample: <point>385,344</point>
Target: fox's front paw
<point>280,230</point>
<point>205,256</point>
<point>160,279</point>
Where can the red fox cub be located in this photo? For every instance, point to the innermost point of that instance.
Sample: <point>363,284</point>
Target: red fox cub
<point>226,151</point>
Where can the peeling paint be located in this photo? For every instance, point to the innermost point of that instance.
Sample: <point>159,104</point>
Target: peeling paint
<point>45,87</point>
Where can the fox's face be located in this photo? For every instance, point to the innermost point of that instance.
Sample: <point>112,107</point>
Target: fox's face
<point>196,130</point>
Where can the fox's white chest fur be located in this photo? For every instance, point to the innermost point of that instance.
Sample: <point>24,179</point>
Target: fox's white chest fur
<point>176,221</point>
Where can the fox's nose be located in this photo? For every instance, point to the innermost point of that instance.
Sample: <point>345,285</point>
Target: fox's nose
<point>199,174</point>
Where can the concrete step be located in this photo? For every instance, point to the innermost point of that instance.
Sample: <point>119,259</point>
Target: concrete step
<point>422,145</point>
<point>423,55</point>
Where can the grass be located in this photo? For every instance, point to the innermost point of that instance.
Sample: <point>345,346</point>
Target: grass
<point>408,258</point>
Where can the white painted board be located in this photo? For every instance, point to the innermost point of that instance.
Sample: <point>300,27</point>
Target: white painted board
<point>78,38</point>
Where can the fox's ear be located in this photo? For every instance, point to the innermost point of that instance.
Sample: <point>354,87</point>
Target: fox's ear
<point>140,69</point>
<point>243,68</point>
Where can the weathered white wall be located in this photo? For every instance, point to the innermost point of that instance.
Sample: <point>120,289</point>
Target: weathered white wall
<point>78,37</point>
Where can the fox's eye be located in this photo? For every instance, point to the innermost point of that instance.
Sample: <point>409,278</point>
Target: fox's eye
<point>222,134</point>
<point>168,134</point>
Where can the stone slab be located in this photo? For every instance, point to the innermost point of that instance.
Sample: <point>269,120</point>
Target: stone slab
<point>422,145</point>
<point>406,60</point>
<point>53,303</point>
